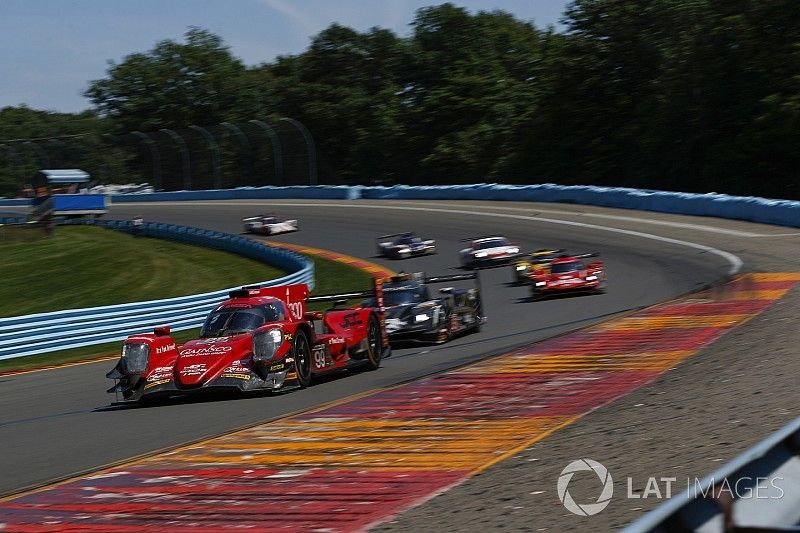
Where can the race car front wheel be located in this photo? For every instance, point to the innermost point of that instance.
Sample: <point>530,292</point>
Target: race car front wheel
<point>302,359</point>
<point>374,344</point>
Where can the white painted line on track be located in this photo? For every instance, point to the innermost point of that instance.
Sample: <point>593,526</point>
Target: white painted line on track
<point>734,261</point>
<point>656,222</point>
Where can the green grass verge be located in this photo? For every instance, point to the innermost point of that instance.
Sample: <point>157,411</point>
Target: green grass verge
<point>84,266</point>
<point>330,277</point>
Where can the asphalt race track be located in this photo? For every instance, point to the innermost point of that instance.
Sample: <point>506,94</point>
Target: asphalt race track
<point>57,423</point>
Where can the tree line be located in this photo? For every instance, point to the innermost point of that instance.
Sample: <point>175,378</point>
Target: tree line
<point>692,95</point>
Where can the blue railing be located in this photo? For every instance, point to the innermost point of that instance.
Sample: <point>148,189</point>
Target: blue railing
<point>74,328</point>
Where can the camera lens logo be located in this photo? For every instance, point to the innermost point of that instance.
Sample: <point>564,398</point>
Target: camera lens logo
<point>586,509</point>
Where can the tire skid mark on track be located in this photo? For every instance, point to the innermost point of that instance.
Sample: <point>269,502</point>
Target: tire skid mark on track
<point>357,463</point>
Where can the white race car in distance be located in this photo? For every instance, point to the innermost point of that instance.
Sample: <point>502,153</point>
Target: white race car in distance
<point>488,252</point>
<point>269,225</point>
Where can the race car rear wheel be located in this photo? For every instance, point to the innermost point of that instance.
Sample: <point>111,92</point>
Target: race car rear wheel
<point>374,344</point>
<point>302,359</point>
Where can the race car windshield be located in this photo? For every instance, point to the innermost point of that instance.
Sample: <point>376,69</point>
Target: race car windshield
<point>492,243</point>
<point>560,268</point>
<point>230,321</point>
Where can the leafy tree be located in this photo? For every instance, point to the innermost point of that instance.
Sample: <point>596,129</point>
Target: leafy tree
<point>173,85</point>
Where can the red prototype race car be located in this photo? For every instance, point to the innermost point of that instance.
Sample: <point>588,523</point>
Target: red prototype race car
<point>259,339</point>
<point>567,273</point>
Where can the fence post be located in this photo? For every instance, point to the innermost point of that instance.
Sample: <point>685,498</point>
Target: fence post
<point>277,152</point>
<point>212,144</point>
<point>247,152</point>
<point>151,145</point>
<point>312,151</point>
<point>187,171</point>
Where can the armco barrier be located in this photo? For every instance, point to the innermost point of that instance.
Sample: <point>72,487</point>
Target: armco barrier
<point>754,209</point>
<point>73,328</point>
<point>760,489</point>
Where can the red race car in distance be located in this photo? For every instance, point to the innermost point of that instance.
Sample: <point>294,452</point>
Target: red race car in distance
<point>259,339</point>
<point>567,273</point>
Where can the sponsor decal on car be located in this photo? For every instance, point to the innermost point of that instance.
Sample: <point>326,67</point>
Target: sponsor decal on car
<point>208,350</point>
<point>194,370</point>
<point>350,320</point>
<point>237,367</point>
<point>232,375</point>
<point>165,349</point>
<point>151,384</point>
<point>160,374</point>
<point>394,324</point>
<point>278,367</point>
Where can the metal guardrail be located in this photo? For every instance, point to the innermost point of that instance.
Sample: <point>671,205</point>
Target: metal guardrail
<point>74,328</point>
<point>757,491</point>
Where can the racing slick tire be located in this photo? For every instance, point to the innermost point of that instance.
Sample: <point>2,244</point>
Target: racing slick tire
<point>535,294</point>
<point>374,351</point>
<point>302,359</point>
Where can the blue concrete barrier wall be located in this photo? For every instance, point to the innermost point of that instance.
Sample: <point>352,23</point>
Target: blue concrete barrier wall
<point>316,192</point>
<point>750,208</point>
<point>782,212</point>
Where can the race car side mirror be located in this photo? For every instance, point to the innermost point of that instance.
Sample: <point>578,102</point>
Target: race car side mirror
<point>446,290</point>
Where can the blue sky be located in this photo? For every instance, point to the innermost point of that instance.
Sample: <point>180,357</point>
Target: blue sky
<point>50,49</point>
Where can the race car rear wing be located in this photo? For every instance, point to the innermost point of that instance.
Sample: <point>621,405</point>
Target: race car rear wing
<point>403,234</point>
<point>575,256</point>
<point>470,239</point>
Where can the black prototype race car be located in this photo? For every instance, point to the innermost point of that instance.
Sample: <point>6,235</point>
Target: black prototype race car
<point>412,314</point>
<point>404,245</point>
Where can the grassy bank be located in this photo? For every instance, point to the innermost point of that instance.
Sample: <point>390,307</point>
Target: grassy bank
<point>89,266</point>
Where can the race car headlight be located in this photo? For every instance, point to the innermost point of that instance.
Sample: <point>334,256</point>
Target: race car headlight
<point>136,356</point>
<point>422,317</point>
<point>521,267</point>
<point>403,250</point>
<point>541,283</point>
<point>513,250</point>
<point>481,254</point>
<point>266,344</point>
<point>591,278</point>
